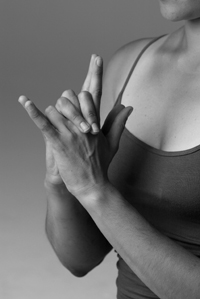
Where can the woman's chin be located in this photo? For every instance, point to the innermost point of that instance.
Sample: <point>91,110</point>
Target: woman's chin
<point>172,17</point>
<point>175,13</point>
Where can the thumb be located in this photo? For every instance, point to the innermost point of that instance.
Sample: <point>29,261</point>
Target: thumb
<point>110,118</point>
<point>117,127</point>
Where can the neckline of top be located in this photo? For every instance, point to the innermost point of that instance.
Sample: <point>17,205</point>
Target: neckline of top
<point>136,139</point>
<point>157,151</point>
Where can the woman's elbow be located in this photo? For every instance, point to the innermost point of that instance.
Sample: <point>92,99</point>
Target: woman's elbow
<point>79,271</point>
<point>76,271</point>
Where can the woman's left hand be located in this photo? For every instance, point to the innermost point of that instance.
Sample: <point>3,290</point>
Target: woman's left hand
<point>82,159</point>
<point>82,110</point>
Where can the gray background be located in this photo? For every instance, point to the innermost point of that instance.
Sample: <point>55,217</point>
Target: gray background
<point>45,48</point>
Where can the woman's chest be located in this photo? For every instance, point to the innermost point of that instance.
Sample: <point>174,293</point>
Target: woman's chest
<point>164,188</point>
<point>166,110</point>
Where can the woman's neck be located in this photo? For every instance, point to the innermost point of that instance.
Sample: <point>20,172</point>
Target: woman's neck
<point>185,45</point>
<point>191,37</point>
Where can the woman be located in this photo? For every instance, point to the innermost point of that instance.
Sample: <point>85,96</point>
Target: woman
<point>147,204</point>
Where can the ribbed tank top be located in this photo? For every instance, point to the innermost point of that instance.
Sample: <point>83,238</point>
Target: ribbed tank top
<point>164,187</point>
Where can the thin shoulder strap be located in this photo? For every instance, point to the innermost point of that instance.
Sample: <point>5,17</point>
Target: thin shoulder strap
<point>118,101</point>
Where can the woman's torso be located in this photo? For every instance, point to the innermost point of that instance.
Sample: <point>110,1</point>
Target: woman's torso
<point>165,98</point>
<point>157,167</point>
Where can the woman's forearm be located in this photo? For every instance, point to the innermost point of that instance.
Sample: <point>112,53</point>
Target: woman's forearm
<point>166,268</point>
<point>76,239</point>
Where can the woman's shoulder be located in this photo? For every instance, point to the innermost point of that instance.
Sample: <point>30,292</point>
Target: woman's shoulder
<point>120,65</point>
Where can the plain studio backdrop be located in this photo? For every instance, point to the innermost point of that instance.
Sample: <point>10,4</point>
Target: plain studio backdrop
<point>45,48</point>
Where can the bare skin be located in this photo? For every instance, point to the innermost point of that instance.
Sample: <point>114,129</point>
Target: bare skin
<point>66,217</point>
<point>170,116</point>
<point>164,91</point>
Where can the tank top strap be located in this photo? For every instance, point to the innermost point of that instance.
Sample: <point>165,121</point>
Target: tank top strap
<point>118,101</point>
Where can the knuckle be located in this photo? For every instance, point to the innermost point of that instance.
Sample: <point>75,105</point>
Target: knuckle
<point>76,117</point>
<point>60,102</point>
<point>84,94</point>
<point>45,128</point>
<point>98,93</point>
<point>48,110</point>
<point>49,131</point>
<point>34,113</point>
<point>91,114</point>
<point>68,93</point>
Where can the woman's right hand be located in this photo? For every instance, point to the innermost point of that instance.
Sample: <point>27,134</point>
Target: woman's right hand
<point>77,112</point>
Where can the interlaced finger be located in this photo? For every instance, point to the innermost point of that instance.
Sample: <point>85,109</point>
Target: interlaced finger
<point>96,83</point>
<point>56,119</point>
<point>93,82</point>
<point>38,118</point>
<point>70,95</point>
<point>88,110</point>
<point>86,84</point>
<point>68,110</point>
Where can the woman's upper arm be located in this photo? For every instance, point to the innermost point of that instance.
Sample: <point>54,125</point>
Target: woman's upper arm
<point>117,71</point>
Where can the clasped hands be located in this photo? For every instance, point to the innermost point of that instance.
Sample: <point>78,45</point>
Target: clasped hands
<point>78,151</point>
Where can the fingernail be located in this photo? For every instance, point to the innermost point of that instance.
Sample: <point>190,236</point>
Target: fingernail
<point>95,128</point>
<point>130,111</point>
<point>84,126</point>
<point>22,99</point>
<point>99,61</point>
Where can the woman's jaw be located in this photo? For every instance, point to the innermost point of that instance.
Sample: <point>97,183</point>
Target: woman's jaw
<point>179,10</point>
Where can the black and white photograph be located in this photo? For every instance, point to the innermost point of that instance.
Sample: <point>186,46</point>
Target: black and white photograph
<point>100,149</point>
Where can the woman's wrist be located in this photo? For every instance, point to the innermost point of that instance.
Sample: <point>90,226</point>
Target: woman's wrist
<point>92,197</point>
<point>56,188</point>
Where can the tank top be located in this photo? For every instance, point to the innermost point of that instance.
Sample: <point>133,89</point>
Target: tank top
<point>164,187</point>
